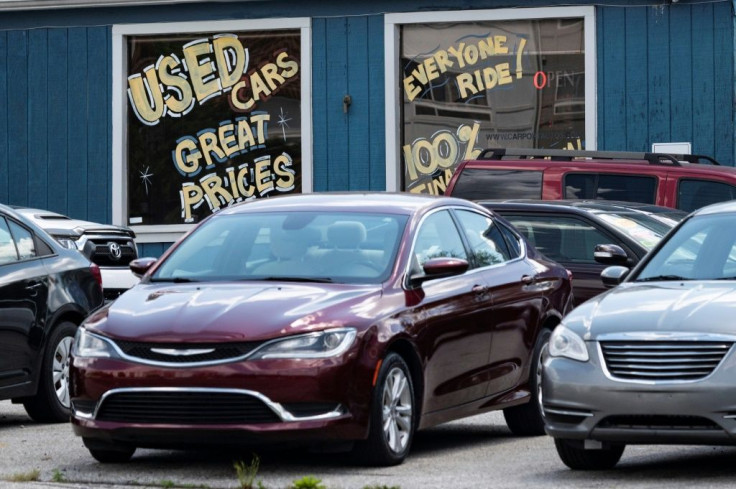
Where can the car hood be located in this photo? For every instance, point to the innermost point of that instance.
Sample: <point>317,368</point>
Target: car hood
<point>243,311</point>
<point>662,307</point>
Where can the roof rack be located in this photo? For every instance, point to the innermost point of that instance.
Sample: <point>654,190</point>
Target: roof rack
<point>569,155</point>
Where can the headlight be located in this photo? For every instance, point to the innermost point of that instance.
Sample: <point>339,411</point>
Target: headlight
<point>88,345</point>
<point>67,243</point>
<point>323,344</point>
<point>565,343</point>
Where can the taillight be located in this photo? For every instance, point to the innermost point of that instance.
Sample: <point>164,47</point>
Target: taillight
<point>96,273</point>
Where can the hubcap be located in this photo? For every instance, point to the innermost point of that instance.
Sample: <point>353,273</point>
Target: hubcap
<point>540,367</point>
<point>397,410</point>
<point>60,370</point>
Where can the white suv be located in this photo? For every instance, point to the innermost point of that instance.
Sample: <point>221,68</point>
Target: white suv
<point>111,247</point>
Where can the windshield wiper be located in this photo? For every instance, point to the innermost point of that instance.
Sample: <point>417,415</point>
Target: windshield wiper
<point>661,278</point>
<point>176,280</point>
<point>319,280</point>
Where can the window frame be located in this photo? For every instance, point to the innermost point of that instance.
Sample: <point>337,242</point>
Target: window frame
<point>120,32</point>
<point>393,99</point>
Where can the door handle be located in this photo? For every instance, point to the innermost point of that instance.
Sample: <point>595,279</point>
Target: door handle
<point>527,279</point>
<point>480,289</point>
<point>33,288</point>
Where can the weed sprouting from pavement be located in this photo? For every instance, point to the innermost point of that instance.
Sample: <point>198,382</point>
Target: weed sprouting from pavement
<point>247,472</point>
<point>58,476</point>
<point>308,482</point>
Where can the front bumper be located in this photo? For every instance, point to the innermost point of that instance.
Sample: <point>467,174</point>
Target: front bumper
<point>244,402</point>
<point>582,401</point>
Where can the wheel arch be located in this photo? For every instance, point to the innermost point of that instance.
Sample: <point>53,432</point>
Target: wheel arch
<point>406,350</point>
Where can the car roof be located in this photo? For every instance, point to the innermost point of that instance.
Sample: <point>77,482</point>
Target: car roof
<point>583,206</point>
<point>719,208</point>
<point>381,202</point>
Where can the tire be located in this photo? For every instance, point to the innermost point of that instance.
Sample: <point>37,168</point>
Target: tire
<point>51,404</point>
<point>109,453</point>
<point>393,415</point>
<point>578,458</point>
<point>528,419</point>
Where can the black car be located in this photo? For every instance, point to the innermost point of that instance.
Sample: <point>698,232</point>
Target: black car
<point>46,291</point>
<point>585,236</point>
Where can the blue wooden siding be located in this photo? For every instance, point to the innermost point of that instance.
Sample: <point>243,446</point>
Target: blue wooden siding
<point>665,74</point>
<point>55,129</point>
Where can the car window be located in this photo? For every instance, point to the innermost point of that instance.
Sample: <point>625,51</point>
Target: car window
<point>603,186</point>
<point>437,237</point>
<point>480,183</point>
<point>703,248</point>
<point>8,252</point>
<point>642,228</point>
<point>485,239</point>
<point>512,240</point>
<point>23,241</point>
<point>560,238</point>
<point>693,194</point>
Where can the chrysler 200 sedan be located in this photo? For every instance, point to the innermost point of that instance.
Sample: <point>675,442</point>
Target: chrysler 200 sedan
<point>348,318</point>
<point>652,360</point>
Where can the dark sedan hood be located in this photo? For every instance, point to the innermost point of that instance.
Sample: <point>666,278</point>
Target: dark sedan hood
<point>233,312</point>
<point>689,306</point>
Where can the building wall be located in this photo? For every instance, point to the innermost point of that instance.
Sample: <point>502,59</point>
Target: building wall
<point>665,73</point>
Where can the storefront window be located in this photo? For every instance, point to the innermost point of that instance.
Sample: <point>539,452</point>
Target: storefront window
<point>212,119</point>
<point>471,85</point>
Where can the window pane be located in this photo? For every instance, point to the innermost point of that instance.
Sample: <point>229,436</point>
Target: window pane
<point>23,241</point>
<point>213,119</point>
<point>8,252</point>
<point>486,241</point>
<point>438,237</point>
<point>479,184</point>
<point>467,86</point>
<point>628,188</point>
<point>512,240</point>
<point>694,194</point>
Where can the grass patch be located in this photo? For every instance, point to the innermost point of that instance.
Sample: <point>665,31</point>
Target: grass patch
<point>31,476</point>
<point>308,482</point>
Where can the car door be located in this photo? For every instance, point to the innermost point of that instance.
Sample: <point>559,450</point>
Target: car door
<point>569,240</point>
<point>23,297</point>
<point>516,290</point>
<point>450,317</point>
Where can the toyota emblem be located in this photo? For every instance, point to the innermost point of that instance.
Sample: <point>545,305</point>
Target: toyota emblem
<point>115,252</point>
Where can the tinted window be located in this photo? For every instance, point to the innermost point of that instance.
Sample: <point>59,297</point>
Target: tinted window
<point>478,184</point>
<point>560,238</point>
<point>628,188</point>
<point>511,239</point>
<point>694,194</point>
<point>8,252</point>
<point>437,237</point>
<point>486,242</point>
<point>23,241</point>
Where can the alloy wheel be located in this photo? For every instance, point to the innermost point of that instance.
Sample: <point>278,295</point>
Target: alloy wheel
<point>60,373</point>
<point>397,410</point>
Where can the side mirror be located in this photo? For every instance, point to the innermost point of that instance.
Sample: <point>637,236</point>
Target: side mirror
<point>89,250</point>
<point>440,268</point>
<point>140,266</point>
<point>612,276</point>
<point>610,254</point>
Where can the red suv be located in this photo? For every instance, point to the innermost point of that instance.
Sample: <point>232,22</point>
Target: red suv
<point>685,182</point>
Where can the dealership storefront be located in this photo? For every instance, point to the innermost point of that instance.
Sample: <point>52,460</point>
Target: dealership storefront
<point>158,116</point>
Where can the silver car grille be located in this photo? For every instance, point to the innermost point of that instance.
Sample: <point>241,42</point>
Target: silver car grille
<point>663,360</point>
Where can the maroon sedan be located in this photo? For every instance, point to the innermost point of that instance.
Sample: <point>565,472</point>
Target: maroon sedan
<point>321,318</point>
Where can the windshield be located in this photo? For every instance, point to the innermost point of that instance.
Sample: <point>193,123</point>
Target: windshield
<point>645,229</point>
<point>288,246</point>
<point>704,248</point>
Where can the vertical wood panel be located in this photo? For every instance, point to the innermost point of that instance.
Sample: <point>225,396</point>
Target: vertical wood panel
<point>98,113</point>
<point>600,34</point>
<point>38,120</point>
<point>78,124</point>
<point>376,105</point>
<point>681,95</point>
<point>703,81</point>
<point>658,32</point>
<point>4,195</point>
<point>723,76</point>
<point>58,131</point>
<point>637,80</point>
<point>612,90</point>
<point>319,104</point>
<point>18,117</point>
<point>358,149</point>
<point>153,250</point>
<point>337,59</point>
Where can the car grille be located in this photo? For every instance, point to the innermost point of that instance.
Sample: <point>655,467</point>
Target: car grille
<point>658,422</point>
<point>198,408</point>
<point>663,360</point>
<point>217,352</point>
<point>103,256</point>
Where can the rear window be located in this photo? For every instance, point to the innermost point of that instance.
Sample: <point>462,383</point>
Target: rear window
<point>694,194</point>
<point>480,183</point>
<point>629,188</point>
